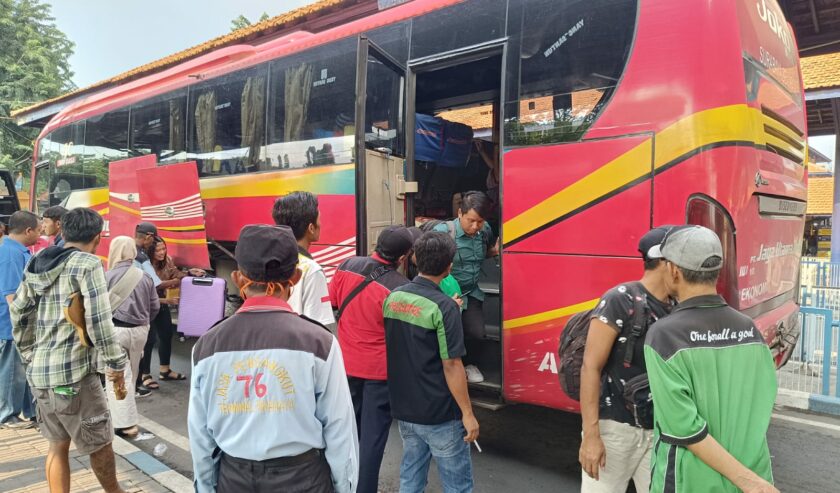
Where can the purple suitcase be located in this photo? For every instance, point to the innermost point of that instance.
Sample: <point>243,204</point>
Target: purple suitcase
<point>202,304</point>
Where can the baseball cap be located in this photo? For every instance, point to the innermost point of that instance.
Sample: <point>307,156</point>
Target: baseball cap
<point>690,247</point>
<point>415,233</point>
<point>394,242</point>
<point>653,238</point>
<point>146,228</point>
<point>267,253</point>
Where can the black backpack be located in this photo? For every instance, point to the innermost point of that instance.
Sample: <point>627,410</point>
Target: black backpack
<point>573,342</point>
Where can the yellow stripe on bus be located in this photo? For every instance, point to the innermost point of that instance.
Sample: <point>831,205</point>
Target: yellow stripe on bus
<point>180,241</point>
<point>725,124</point>
<point>549,315</point>
<point>258,185</point>
<point>121,207</point>
<point>181,228</point>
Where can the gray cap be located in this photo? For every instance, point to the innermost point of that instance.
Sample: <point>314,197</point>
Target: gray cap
<point>690,247</point>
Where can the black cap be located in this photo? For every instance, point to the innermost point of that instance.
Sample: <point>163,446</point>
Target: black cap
<point>146,228</point>
<point>415,233</point>
<point>267,253</point>
<point>394,242</point>
<point>653,238</point>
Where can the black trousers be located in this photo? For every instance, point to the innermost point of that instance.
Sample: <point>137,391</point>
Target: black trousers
<point>162,330</point>
<point>307,472</point>
<point>473,319</point>
<point>373,420</point>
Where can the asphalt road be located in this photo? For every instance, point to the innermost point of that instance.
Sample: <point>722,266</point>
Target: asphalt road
<point>525,448</point>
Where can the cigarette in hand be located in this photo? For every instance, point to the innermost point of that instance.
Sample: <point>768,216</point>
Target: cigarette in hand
<point>477,446</point>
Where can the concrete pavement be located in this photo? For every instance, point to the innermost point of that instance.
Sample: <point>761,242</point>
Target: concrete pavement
<point>526,449</point>
<point>23,454</point>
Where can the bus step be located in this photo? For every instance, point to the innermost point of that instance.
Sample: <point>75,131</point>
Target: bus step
<point>488,386</point>
<point>492,405</point>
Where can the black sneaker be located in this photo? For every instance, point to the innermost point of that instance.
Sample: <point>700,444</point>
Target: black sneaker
<point>141,391</point>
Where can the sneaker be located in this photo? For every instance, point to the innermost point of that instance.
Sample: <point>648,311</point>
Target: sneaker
<point>141,391</point>
<point>15,423</point>
<point>473,374</point>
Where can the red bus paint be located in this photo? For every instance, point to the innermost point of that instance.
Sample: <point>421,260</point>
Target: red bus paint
<point>706,124</point>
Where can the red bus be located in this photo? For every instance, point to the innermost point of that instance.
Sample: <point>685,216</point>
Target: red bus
<point>606,117</point>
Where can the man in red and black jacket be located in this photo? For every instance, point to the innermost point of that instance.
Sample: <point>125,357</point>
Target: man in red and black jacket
<point>358,290</point>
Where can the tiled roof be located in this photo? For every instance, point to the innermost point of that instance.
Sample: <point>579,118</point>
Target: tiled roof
<point>821,72</point>
<point>244,35</point>
<point>820,195</point>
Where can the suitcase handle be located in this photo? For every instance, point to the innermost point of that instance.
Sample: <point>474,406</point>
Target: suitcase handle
<point>202,281</point>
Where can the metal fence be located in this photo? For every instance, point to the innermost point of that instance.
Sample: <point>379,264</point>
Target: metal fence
<point>812,367</point>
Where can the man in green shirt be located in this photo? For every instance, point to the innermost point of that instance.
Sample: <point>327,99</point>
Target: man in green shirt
<point>475,242</point>
<point>712,379</point>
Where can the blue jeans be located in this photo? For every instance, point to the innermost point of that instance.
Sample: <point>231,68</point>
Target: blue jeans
<point>445,442</point>
<point>15,396</point>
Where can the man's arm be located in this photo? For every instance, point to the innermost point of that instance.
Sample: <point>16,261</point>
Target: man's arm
<point>334,409</point>
<point>98,318</point>
<point>456,380</point>
<point>154,302</point>
<point>316,299</point>
<point>202,444</point>
<point>451,346</point>
<point>599,343</point>
<point>718,458</point>
<point>24,314</point>
<point>148,269</point>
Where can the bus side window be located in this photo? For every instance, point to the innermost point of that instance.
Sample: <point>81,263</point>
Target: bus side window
<point>106,140</point>
<point>42,187</point>
<point>312,112</point>
<point>159,127</point>
<point>65,153</point>
<point>572,55</point>
<point>227,123</point>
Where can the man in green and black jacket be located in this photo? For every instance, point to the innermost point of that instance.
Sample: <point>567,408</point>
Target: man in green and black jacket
<point>712,379</point>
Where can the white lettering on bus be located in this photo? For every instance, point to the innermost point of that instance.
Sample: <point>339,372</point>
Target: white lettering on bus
<point>560,42</point>
<point>549,363</point>
<point>777,24</point>
<point>753,292</point>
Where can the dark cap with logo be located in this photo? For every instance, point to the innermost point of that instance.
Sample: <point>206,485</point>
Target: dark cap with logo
<point>394,242</point>
<point>267,253</point>
<point>651,239</point>
<point>146,228</point>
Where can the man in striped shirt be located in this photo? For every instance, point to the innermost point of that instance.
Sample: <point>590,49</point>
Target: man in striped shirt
<point>61,368</point>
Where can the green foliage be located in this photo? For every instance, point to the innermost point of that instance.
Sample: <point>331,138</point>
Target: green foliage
<point>243,21</point>
<point>34,66</point>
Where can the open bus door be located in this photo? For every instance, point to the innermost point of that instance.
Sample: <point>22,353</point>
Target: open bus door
<point>380,151</point>
<point>171,200</point>
<point>8,196</point>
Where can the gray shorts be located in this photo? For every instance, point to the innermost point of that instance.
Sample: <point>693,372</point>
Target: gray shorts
<point>82,418</point>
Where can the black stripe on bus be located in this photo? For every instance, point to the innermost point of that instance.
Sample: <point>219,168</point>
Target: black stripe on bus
<point>670,485</point>
<point>642,179</point>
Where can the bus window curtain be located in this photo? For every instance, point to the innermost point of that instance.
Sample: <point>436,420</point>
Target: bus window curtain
<point>253,119</point>
<point>205,127</point>
<point>176,127</point>
<point>298,88</point>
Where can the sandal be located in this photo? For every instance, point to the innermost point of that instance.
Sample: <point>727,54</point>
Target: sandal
<point>149,382</point>
<point>172,375</point>
<point>130,432</point>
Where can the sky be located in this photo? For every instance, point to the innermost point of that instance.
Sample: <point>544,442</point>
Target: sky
<point>112,37</point>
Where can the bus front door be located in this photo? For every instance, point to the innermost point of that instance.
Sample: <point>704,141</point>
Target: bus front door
<point>381,187</point>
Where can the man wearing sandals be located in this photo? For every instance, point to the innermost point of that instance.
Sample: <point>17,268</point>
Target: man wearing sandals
<point>61,365</point>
